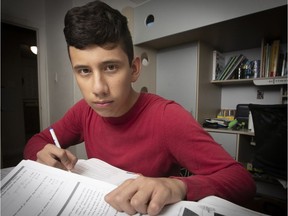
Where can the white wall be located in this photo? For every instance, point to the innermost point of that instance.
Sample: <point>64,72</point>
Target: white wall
<point>59,69</point>
<point>233,95</point>
<point>176,75</point>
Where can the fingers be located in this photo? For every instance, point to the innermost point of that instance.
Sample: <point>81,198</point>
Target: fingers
<point>146,195</point>
<point>69,160</point>
<point>136,195</point>
<point>56,157</point>
<point>119,198</point>
<point>140,201</point>
<point>158,201</point>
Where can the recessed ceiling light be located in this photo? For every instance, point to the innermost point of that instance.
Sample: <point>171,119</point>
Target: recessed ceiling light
<point>34,49</point>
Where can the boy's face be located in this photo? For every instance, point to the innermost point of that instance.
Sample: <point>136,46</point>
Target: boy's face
<point>104,77</point>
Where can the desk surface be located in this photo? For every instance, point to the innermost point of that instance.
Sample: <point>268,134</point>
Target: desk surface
<point>224,130</point>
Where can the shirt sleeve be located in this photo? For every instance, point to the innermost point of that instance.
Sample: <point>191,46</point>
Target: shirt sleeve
<point>68,131</point>
<point>215,172</point>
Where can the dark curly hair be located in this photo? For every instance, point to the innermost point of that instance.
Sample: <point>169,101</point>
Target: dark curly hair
<point>96,23</point>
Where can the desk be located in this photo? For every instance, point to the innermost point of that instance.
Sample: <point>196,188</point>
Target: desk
<point>238,143</point>
<point>230,131</point>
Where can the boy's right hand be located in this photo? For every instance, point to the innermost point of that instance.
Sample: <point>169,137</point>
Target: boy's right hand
<point>53,156</point>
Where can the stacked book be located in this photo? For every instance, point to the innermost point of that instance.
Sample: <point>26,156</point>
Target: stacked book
<point>274,62</point>
<point>231,68</point>
<point>216,123</point>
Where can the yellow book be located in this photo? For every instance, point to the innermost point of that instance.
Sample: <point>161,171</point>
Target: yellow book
<point>274,55</point>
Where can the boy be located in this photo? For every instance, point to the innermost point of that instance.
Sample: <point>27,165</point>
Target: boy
<point>137,132</point>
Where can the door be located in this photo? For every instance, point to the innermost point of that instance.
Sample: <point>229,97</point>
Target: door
<point>19,92</point>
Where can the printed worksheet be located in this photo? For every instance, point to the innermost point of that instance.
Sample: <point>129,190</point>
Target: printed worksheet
<point>35,189</point>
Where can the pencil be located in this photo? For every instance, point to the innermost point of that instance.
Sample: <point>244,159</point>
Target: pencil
<point>54,137</point>
<point>52,132</point>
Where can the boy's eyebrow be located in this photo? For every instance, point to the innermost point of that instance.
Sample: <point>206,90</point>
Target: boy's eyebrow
<point>79,66</point>
<point>111,61</point>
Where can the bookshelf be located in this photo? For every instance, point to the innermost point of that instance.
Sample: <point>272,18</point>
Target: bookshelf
<point>253,81</point>
<point>269,65</point>
<point>245,31</point>
<point>233,82</point>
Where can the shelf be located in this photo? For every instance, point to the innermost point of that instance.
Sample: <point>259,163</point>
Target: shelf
<point>247,31</point>
<point>256,81</point>
<point>271,81</point>
<point>233,81</point>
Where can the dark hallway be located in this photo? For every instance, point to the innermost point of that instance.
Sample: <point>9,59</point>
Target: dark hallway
<point>19,92</point>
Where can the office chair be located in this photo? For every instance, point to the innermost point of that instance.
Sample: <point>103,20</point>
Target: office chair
<point>270,156</point>
<point>270,126</point>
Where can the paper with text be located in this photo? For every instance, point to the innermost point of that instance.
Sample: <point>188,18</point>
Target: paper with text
<point>35,189</point>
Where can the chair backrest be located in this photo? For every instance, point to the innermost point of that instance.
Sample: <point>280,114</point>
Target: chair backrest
<point>270,127</point>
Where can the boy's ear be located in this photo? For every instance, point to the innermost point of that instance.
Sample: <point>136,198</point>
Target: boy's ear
<point>136,68</point>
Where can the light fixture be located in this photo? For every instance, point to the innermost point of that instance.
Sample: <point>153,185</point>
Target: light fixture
<point>34,49</point>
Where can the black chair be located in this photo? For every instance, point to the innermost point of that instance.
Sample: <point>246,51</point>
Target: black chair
<point>270,156</point>
<point>270,126</point>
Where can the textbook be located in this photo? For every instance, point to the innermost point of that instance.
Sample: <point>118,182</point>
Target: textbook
<point>32,188</point>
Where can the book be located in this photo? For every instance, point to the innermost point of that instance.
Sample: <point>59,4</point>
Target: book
<point>220,121</point>
<point>271,59</point>
<point>263,57</point>
<point>274,56</point>
<point>32,188</point>
<point>218,64</point>
<point>267,59</point>
<point>234,68</point>
<point>226,68</point>
<point>280,64</point>
<point>284,65</point>
<point>100,170</point>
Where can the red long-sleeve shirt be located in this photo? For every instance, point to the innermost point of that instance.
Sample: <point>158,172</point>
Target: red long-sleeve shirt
<point>155,138</point>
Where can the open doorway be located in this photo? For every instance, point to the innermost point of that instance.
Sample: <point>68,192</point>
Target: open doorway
<point>19,92</point>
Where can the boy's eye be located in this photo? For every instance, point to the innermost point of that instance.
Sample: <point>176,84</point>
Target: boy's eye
<point>84,71</point>
<point>111,68</point>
